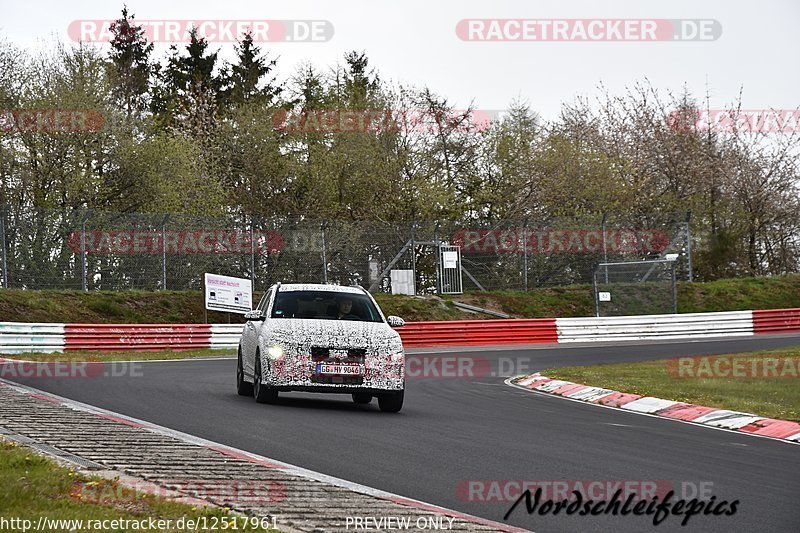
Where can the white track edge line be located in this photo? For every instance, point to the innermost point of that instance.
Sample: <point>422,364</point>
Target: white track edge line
<point>286,467</point>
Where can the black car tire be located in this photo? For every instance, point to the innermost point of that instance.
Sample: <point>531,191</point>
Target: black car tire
<point>262,393</point>
<point>391,403</point>
<point>361,398</point>
<point>243,388</point>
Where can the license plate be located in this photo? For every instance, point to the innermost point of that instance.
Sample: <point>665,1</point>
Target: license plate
<point>339,369</point>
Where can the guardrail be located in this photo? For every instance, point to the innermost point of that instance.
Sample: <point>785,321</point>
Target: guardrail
<point>631,328</point>
<point>17,337</point>
<point>776,320</point>
<point>115,337</point>
<point>20,337</point>
<point>225,336</point>
<point>479,332</point>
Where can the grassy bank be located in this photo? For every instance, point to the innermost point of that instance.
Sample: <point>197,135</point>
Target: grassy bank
<point>32,486</point>
<point>768,395</point>
<point>576,300</point>
<point>105,356</point>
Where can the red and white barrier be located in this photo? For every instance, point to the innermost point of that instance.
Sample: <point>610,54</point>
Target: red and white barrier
<point>698,414</point>
<point>479,332</point>
<point>112,337</point>
<point>776,320</point>
<point>634,328</point>
<point>18,337</point>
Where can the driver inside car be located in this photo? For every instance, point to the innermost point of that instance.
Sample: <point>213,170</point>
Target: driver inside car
<point>344,307</point>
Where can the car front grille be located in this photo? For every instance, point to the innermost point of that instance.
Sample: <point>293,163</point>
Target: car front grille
<point>327,354</point>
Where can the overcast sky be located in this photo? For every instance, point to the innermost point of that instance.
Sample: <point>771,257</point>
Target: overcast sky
<point>415,42</point>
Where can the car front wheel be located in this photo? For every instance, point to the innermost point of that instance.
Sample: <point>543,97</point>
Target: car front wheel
<point>242,387</point>
<point>261,392</point>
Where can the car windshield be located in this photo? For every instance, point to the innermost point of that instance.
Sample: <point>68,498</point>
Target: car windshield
<point>325,305</point>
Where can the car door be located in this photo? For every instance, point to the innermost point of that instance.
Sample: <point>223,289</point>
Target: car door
<point>250,335</point>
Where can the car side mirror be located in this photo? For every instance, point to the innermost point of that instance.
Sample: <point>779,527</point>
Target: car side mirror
<point>254,315</point>
<point>395,321</point>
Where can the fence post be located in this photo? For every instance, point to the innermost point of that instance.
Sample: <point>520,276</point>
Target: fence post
<point>605,248</point>
<point>437,246</point>
<point>252,252</point>
<point>3,211</point>
<point>689,244</point>
<point>324,258</point>
<point>414,254</point>
<point>84,283</point>
<point>674,289</point>
<point>525,254</point>
<point>164,253</point>
<point>596,295</point>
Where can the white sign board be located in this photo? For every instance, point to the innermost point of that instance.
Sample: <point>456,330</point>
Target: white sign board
<point>402,281</point>
<point>604,296</point>
<point>224,293</point>
<point>373,270</point>
<point>450,259</point>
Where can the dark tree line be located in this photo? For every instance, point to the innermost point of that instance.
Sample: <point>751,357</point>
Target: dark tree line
<point>193,134</point>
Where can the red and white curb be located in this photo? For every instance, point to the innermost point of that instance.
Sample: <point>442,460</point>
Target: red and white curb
<point>748,423</point>
<point>256,459</point>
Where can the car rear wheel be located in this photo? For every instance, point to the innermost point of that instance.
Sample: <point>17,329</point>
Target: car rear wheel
<point>242,387</point>
<point>391,403</point>
<point>361,397</point>
<point>261,392</point>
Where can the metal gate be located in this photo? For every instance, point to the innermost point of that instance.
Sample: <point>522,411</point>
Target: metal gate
<point>635,288</point>
<point>449,269</point>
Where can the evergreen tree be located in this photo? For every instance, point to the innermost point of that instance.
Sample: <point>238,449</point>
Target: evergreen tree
<point>249,73</point>
<point>129,67</point>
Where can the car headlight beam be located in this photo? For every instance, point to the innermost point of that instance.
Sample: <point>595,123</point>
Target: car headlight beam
<point>275,352</point>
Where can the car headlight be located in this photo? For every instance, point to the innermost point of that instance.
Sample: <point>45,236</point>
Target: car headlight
<point>275,352</point>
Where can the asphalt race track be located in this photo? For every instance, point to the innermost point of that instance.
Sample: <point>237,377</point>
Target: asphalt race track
<point>455,430</point>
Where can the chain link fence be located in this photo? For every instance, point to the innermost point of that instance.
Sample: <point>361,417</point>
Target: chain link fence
<point>93,250</point>
<point>635,288</point>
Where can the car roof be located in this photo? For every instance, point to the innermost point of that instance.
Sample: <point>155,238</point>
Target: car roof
<point>320,287</point>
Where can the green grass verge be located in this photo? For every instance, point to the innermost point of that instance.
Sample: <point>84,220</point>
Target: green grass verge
<point>765,396</point>
<point>170,307</point>
<point>32,486</point>
<point>131,355</point>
